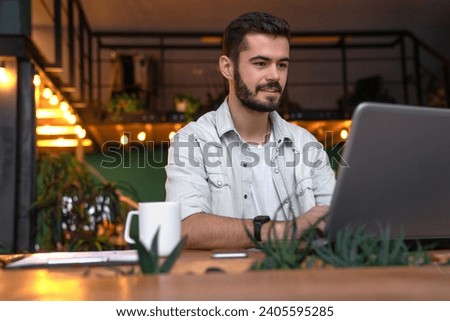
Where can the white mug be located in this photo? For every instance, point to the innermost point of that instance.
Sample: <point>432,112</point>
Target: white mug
<point>153,215</point>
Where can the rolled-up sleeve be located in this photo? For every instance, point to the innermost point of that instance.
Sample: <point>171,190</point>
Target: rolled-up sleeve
<point>186,177</point>
<point>323,176</point>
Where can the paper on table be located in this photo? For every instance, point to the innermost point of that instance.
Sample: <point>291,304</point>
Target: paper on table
<point>76,258</point>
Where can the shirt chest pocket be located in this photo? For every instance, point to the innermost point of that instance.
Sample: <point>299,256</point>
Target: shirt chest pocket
<point>220,193</point>
<point>217,181</point>
<point>305,194</point>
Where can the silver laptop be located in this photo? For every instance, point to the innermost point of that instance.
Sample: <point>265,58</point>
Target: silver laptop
<point>397,173</point>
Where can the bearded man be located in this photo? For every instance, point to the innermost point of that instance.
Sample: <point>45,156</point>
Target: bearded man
<point>243,166</point>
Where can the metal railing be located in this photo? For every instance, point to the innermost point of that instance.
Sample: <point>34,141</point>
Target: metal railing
<point>85,68</point>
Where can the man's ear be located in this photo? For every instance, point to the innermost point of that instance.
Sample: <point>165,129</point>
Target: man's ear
<point>226,67</point>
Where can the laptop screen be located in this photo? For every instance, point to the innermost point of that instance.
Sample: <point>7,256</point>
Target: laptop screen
<point>398,173</point>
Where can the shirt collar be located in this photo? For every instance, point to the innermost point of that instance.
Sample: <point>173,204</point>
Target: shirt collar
<point>223,119</point>
<point>225,124</point>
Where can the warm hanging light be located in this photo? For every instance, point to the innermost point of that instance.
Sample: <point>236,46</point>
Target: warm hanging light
<point>141,136</point>
<point>171,135</point>
<point>37,80</point>
<point>54,100</point>
<point>344,133</point>
<point>4,75</point>
<point>124,139</point>
<point>64,106</point>
<point>81,132</point>
<point>47,93</point>
<point>72,119</point>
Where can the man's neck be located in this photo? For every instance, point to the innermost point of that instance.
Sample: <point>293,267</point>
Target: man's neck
<point>253,126</point>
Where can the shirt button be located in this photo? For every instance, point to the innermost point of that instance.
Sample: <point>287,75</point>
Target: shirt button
<point>245,196</point>
<point>219,183</point>
<point>276,171</point>
<point>245,164</point>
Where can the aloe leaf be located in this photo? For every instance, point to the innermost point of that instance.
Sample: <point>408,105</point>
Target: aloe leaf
<point>154,253</point>
<point>173,256</point>
<point>144,258</point>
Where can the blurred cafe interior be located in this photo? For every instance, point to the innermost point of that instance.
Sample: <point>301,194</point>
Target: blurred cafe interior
<point>107,82</point>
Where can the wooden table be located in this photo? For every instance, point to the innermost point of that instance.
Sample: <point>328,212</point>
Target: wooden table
<point>198,277</point>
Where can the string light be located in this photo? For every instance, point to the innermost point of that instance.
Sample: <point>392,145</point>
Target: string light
<point>72,119</point>
<point>64,112</point>
<point>141,136</point>
<point>80,131</point>
<point>124,139</point>
<point>54,100</point>
<point>37,80</point>
<point>47,93</point>
<point>64,106</point>
<point>344,133</point>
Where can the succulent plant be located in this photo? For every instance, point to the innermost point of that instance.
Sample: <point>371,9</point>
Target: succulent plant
<point>149,260</point>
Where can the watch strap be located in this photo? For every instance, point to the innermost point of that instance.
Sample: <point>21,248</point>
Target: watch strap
<point>258,223</point>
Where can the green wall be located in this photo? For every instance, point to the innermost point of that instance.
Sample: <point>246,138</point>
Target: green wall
<point>144,171</point>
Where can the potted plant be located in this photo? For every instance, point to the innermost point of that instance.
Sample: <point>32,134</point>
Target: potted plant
<point>123,103</point>
<point>72,211</point>
<point>187,104</point>
<point>149,260</point>
<point>352,248</point>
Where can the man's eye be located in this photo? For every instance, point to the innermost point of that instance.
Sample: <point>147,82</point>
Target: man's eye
<point>282,66</point>
<point>260,63</point>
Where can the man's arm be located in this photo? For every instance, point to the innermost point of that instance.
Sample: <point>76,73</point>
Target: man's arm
<point>207,231</point>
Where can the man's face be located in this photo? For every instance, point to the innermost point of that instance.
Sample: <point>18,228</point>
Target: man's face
<point>261,74</point>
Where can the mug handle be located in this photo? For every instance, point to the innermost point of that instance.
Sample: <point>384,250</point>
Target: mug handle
<point>126,232</point>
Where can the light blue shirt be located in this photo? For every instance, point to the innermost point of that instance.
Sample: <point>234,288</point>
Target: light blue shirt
<point>209,168</point>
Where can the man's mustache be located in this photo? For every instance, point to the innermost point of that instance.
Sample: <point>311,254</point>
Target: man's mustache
<point>270,86</point>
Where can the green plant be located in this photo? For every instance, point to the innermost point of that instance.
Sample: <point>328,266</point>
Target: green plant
<point>287,252</point>
<point>359,248</point>
<point>149,260</point>
<point>123,103</point>
<point>88,242</point>
<point>191,105</point>
<point>72,211</point>
<point>352,248</point>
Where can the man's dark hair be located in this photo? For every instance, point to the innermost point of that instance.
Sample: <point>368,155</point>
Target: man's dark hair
<point>251,23</point>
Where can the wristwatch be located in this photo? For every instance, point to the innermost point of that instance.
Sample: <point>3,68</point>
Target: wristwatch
<point>258,222</point>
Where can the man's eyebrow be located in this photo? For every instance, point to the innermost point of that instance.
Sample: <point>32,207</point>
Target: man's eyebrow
<point>260,58</point>
<point>285,59</point>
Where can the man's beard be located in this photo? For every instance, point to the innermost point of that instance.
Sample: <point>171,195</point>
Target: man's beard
<point>249,100</point>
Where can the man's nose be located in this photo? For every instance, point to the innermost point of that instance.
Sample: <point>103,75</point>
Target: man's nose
<point>273,73</point>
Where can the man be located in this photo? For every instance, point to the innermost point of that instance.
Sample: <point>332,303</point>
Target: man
<point>242,166</point>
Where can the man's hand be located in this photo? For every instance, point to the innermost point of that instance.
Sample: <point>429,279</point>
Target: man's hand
<point>313,216</point>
